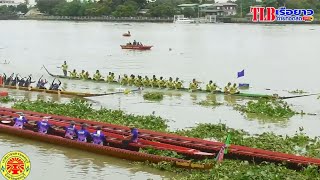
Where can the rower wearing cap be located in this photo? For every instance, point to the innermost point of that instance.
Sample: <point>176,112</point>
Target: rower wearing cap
<point>43,126</point>
<point>193,85</point>
<point>83,134</point>
<point>97,76</point>
<point>98,137</point>
<point>209,86</point>
<point>227,88</point>
<point>20,121</point>
<point>124,80</point>
<point>133,138</point>
<point>71,131</point>
<point>234,89</point>
<point>177,84</point>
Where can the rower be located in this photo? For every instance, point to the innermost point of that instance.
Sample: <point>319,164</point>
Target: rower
<point>83,134</point>
<point>170,83</point>
<point>97,76</point>
<point>65,68</point>
<point>21,82</point>
<point>44,126</point>
<point>9,79</point>
<point>41,84</point>
<point>82,74</point>
<point>134,42</point>
<point>86,75</point>
<point>131,80</point>
<point>133,138</point>
<point>20,121</point>
<point>138,81</point>
<point>71,131</point>
<point>177,84</point>
<point>124,80</point>
<point>154,81</point>
<point>234,89</point>
<point>110,77</point>
<point>28,81</point>
<point>227,88</point>
<point>73,74</point>
<point>161,82</point>
<point>209,86</point>
<point>146,81</point>
<point>55,86</point>
<point>98,137</point>
<point>129,32</point>
<point>15,81</point>
<point>193,85</point>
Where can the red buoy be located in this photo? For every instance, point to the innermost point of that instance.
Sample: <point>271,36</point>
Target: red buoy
<point>3,93</point>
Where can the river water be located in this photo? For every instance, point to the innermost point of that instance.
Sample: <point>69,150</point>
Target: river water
<point>276,57</point>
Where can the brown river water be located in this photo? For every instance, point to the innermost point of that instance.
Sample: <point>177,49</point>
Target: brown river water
<point>275,57</point>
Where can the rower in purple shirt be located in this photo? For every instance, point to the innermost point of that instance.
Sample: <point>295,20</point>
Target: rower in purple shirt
<point>83,134</point>
<point>20,121</point>
<point>71,131</point>
<point>43,126</point>
<point>98,137</point>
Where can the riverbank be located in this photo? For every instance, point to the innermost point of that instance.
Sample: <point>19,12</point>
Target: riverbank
<point>144,19</point>
<point>101,18</point>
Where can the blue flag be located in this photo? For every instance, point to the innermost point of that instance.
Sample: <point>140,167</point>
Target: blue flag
<point>241,73</point>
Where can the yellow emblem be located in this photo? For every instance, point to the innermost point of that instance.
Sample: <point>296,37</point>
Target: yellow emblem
<point>15,165</point>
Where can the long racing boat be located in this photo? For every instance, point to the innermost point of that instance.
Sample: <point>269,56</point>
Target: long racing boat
<point>198,147</point>
<point>114,147</point>
<point>70,93</point>
<point>249,95</point>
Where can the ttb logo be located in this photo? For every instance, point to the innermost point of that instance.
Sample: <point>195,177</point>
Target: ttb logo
<point>271,14</point>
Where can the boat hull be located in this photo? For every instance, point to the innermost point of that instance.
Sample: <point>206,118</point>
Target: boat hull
<point>235,151</point>
<point>248,95</point>
<point>104,150</point>
<point>69,93</point>
<point>136,47</point>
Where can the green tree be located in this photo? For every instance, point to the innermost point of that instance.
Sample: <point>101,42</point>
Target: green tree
<point>162,10</point>
<point>189,12</point>
<point>47,6</point>
<point>22,8</point>
<point>128,9</point>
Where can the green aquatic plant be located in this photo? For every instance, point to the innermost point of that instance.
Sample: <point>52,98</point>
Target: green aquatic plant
<point>273,108</point>
<point>153,96</point>
<point>82,109</point>
<point>209,103</point>
<point>297,91</point>
<point>6,99</point>
<point>166,153</point>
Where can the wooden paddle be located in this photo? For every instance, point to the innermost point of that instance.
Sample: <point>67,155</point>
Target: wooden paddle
<point>290,97</point>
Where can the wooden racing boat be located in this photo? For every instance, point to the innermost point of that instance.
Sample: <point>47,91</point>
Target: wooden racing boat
<point>249,95</point>
<point>136,47</point>
<point>235,151</point>
<point>70,93</point>
<point>116,139</point>
<point>56,136</point>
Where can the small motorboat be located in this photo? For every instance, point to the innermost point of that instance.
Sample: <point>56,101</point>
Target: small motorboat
<point>126,34</point>
<point>136,47</point>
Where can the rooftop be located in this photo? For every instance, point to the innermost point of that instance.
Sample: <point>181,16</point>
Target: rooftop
<point>187,5</point>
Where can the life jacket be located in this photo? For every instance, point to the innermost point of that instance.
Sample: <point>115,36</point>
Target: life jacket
<point>70,132</point>
<point>97,76</point>
<point>82,135</point>
<point>64,67</point>
<point>43,127</point>
<point>135,135</point>
<point>97,137</point>
<point>19,122</point>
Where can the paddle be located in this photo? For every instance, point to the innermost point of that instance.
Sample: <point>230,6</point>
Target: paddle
<point>289,97</point>
<point>125,92</point>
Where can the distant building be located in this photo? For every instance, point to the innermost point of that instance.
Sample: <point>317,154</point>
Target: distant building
<point>219,9</point>
<point>11,2</point>
<point>193,6</point>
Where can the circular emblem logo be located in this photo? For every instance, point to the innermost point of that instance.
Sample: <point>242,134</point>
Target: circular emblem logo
<point>15,165</point>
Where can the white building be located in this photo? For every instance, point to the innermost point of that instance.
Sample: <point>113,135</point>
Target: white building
<point>11,2</point>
